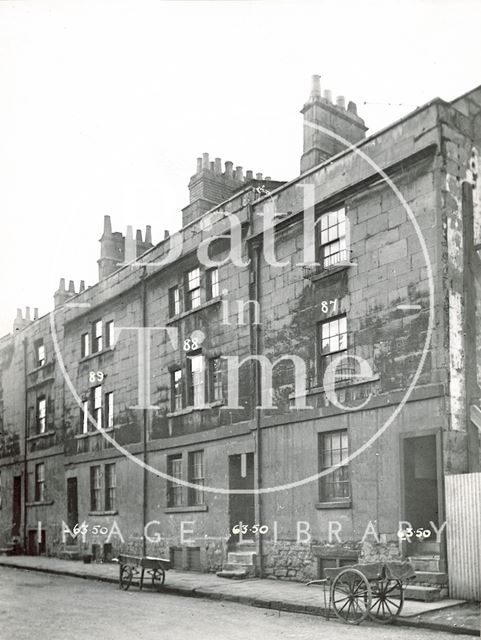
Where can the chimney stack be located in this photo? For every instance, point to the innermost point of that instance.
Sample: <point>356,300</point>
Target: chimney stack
<point>319,146</point>
<point>61,295</point>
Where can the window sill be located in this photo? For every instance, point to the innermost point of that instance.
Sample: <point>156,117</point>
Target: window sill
<point>204,407</point>
<point>94,355</point>
<point>202,306</point>
<point>40,367</point>
<point>103,513</point>
<point>339,385</point>
<point>79,436</point>
<point>36,436</point>
<point>186,509</point>
<point>341,504</point>
<point>39,503</point>
<point>325,273</point>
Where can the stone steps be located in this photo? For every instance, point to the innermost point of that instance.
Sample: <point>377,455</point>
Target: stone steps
<point>431,578</point>
<point>423,593</point>
<point>429,563</point>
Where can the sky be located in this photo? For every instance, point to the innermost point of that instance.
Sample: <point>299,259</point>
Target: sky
<point>105,106</point>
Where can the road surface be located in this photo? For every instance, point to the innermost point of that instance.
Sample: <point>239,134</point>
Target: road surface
<point>38,605</point>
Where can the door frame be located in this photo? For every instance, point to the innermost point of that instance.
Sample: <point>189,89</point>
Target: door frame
<point>438,434</point>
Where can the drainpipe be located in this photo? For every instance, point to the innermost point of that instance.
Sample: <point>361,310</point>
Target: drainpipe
<point>257,348</point>
<point>25,436</point>
<point>143,301</point>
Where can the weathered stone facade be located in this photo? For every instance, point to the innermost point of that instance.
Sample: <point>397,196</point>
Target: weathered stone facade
<point>382,288</point>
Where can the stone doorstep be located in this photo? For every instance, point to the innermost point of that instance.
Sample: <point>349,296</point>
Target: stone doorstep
<point>245,558</point>
<point>430,564</point>
<point>431,578</point>
<point>425,594</point>
<point>233,574</point>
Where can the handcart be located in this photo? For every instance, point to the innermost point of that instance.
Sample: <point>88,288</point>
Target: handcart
<point>374,590</point>
<point>133,566</point>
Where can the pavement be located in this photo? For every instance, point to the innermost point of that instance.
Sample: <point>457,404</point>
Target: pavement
<point>455,616</point>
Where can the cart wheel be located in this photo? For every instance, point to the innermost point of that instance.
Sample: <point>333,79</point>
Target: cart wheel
<point>387,600</point>
<point>126,574</point>
<point>351,596</point>
<point>158,578</point>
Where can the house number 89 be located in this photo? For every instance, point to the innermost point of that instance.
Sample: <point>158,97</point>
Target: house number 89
<point>96,376</point>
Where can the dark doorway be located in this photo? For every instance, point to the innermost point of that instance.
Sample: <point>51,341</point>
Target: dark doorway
<point>17,506</point>
<point>36,547</point>
<point>421,504</point>
<point>72,507</point>
<point>241,506</point>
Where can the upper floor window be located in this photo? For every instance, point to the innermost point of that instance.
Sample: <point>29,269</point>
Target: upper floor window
<point>192,289</point>
<point>176,390</point>
<point>174,301</point>
<point>333,449</point>
<point>85,416</point>
<point>85,345</point>
<point>332,342</point>
<point>332,240</point>
<point>97,336</point>
<point>109,333</point>
<point>196,476</point>
<point>40,482</point>
<point>212,277</point>
<point>174,489</point>
<point>216,375</point>
<point>40,357</point>
<point>41,415</point>
<point>109,410</point>
<point>97,405</point>
<point>196,380</point>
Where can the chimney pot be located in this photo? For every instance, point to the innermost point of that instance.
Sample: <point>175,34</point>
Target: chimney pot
<point>199,165</point>
<point>352,107</point>
<point>71,286</point>
<point>61,286</point>
<point>27,313</point>
<point>218,166</point>
<point>341,102</point>
<point>258,176</point>
<point>35,313</point>
<point>166,234</point>
<point>130,250</point>
<point>212,163</point>
<point>249,174</point>
<point>82,286</point>
<point>19,314</point>
<point>107,226</point>
<point>148,234</point>
<point>228,168</point>
<point>239,174</point>
<point>316,87</point>
<point>138,236</point>
<point>328,95</point>
<point>267,178</point>
<point>205,160</point>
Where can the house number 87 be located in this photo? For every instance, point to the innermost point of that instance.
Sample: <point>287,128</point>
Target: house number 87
<point>96,376</point>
